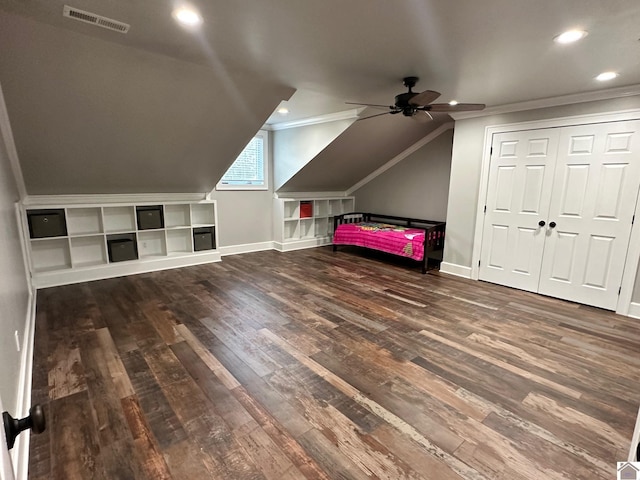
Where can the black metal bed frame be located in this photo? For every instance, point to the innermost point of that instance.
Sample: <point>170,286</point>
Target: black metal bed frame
<point>434,231</point>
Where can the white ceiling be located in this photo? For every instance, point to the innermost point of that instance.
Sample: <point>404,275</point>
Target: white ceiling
<point>495,51</point>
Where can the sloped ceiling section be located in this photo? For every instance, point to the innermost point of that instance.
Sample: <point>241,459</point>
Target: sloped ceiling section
<point>90,116</point>
<point>360,150</point>
<point>293,148</point>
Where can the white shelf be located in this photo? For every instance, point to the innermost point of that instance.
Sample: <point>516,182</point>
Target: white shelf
<point>119,219</point>
<point>203,214</point>
<point>88,250</point>
<point>49,255</point>
<point>152,243</point>
<point>83,221</point>
<point>83,253</point>
<point>292,231</point>
<point>176,216</point>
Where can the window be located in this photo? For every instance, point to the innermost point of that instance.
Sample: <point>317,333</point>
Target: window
<point>250,170</point>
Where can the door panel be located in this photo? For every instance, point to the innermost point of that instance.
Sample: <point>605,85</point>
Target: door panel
<point>593,199</point>
<point>520,182</point>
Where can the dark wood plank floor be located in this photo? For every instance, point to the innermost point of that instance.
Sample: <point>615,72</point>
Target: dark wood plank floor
<point>322,365</point>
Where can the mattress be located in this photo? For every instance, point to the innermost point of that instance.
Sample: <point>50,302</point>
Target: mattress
<point>406,242</point>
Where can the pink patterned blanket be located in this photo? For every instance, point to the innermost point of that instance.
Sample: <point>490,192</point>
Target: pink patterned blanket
<point>406,242</point>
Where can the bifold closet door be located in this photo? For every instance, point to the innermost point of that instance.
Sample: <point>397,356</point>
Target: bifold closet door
<point>519,191</point>
<point>595,187</point>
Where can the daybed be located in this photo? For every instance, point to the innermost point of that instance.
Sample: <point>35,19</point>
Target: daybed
<point>397,235</point>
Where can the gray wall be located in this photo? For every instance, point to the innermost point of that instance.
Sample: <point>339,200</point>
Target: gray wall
<point>468,144</point>
<point>294,147</point>
<point>416,187</point>
<point>14,290</point>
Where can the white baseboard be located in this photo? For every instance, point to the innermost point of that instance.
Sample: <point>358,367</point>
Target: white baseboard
<point>20,451</point>
<point>300,244</point>
<point>457,270</point>
<point>634,310</point>
<point>245,248</point>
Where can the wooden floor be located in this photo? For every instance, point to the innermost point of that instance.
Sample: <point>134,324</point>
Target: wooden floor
<point>322,365</point>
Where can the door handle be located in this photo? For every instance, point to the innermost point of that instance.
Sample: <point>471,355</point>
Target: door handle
<point>541,223</point>
<point>552,224</point>
<point>13,427</point>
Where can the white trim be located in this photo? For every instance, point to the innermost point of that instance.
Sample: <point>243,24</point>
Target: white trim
<point>618,92</point>
<point>634,310</point>
<point>402,155</point>
<point>12,152</point>
<point>20,451</point>
<point>309,195</point>
<point>633,252</point>
<point>120,269</point>
<point>290,245</point>
<point>266,167</point>
<point>329,117</point>
<point>245,248</point>
<point>457,270</point>
<point>102,198</point>
<point>634,441</point>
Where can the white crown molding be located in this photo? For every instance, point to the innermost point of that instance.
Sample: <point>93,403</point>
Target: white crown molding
<point>402,155</point>
<point>608,94</point>
<point>329,117</point>
<point>112,198</point>
<point>7,135</point>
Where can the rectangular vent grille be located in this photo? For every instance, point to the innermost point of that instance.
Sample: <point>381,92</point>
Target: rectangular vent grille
<point>94,19</point>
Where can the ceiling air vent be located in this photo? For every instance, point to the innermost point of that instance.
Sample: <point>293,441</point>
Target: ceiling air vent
<point>94,19</point>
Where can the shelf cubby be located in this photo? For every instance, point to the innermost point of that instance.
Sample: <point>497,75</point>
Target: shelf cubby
<point>50,254</point>
<point>152,244</point>
<point>291,209</point>
<point>202,214</point>
<point>306,228</point>
<point>88,251</point>
<point>84,221</point>
<point>179,240</point>
<point>176,216</point>
<point>119,219</point>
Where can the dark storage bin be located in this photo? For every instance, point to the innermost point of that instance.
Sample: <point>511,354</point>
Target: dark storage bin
<point>47,223</point>
<point>122,249</point>
<point>150,217</point>
<point>204,238</point>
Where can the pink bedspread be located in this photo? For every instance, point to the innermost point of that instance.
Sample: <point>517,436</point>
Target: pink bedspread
<point>406,242</point>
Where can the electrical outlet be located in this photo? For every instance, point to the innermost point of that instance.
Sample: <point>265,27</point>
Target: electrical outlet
<point>17,336</point>
<point>144,245</point>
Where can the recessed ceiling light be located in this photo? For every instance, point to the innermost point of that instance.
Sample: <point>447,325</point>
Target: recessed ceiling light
<point>604,76</point>
<point>570,36</point>
<point>187,16</point>
<point>453,102</point>
<point>283,111</point>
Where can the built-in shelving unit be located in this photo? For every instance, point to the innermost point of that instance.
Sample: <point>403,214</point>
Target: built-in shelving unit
<point>80,250</point>
<point>303,222</point>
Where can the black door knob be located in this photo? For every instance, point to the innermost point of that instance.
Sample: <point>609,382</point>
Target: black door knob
<point>541,223</point>
<point>552,224</point>
<point>12,426</point>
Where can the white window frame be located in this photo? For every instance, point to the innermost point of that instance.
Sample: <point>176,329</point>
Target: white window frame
<point>266,153</point>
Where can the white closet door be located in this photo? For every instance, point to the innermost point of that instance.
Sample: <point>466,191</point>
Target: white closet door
<point>595,187</point>
<point>520,181</point>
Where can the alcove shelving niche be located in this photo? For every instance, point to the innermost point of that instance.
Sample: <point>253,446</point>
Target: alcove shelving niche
<point>70,243</point>
<point>307,221</point>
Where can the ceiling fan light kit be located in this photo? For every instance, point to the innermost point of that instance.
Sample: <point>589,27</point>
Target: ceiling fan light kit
<point>413,104</point>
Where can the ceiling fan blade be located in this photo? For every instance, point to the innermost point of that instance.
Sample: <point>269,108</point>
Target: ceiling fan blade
<point>369,105</point>
<point>422,116</point>
<point>459,107</point>
<point>424,98</point>
<point>373,116</point>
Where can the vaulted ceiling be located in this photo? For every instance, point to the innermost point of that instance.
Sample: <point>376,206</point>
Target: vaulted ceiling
<point>163,108</point>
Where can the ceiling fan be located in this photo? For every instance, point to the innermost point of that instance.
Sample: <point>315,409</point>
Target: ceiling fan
<point>418,105</point>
